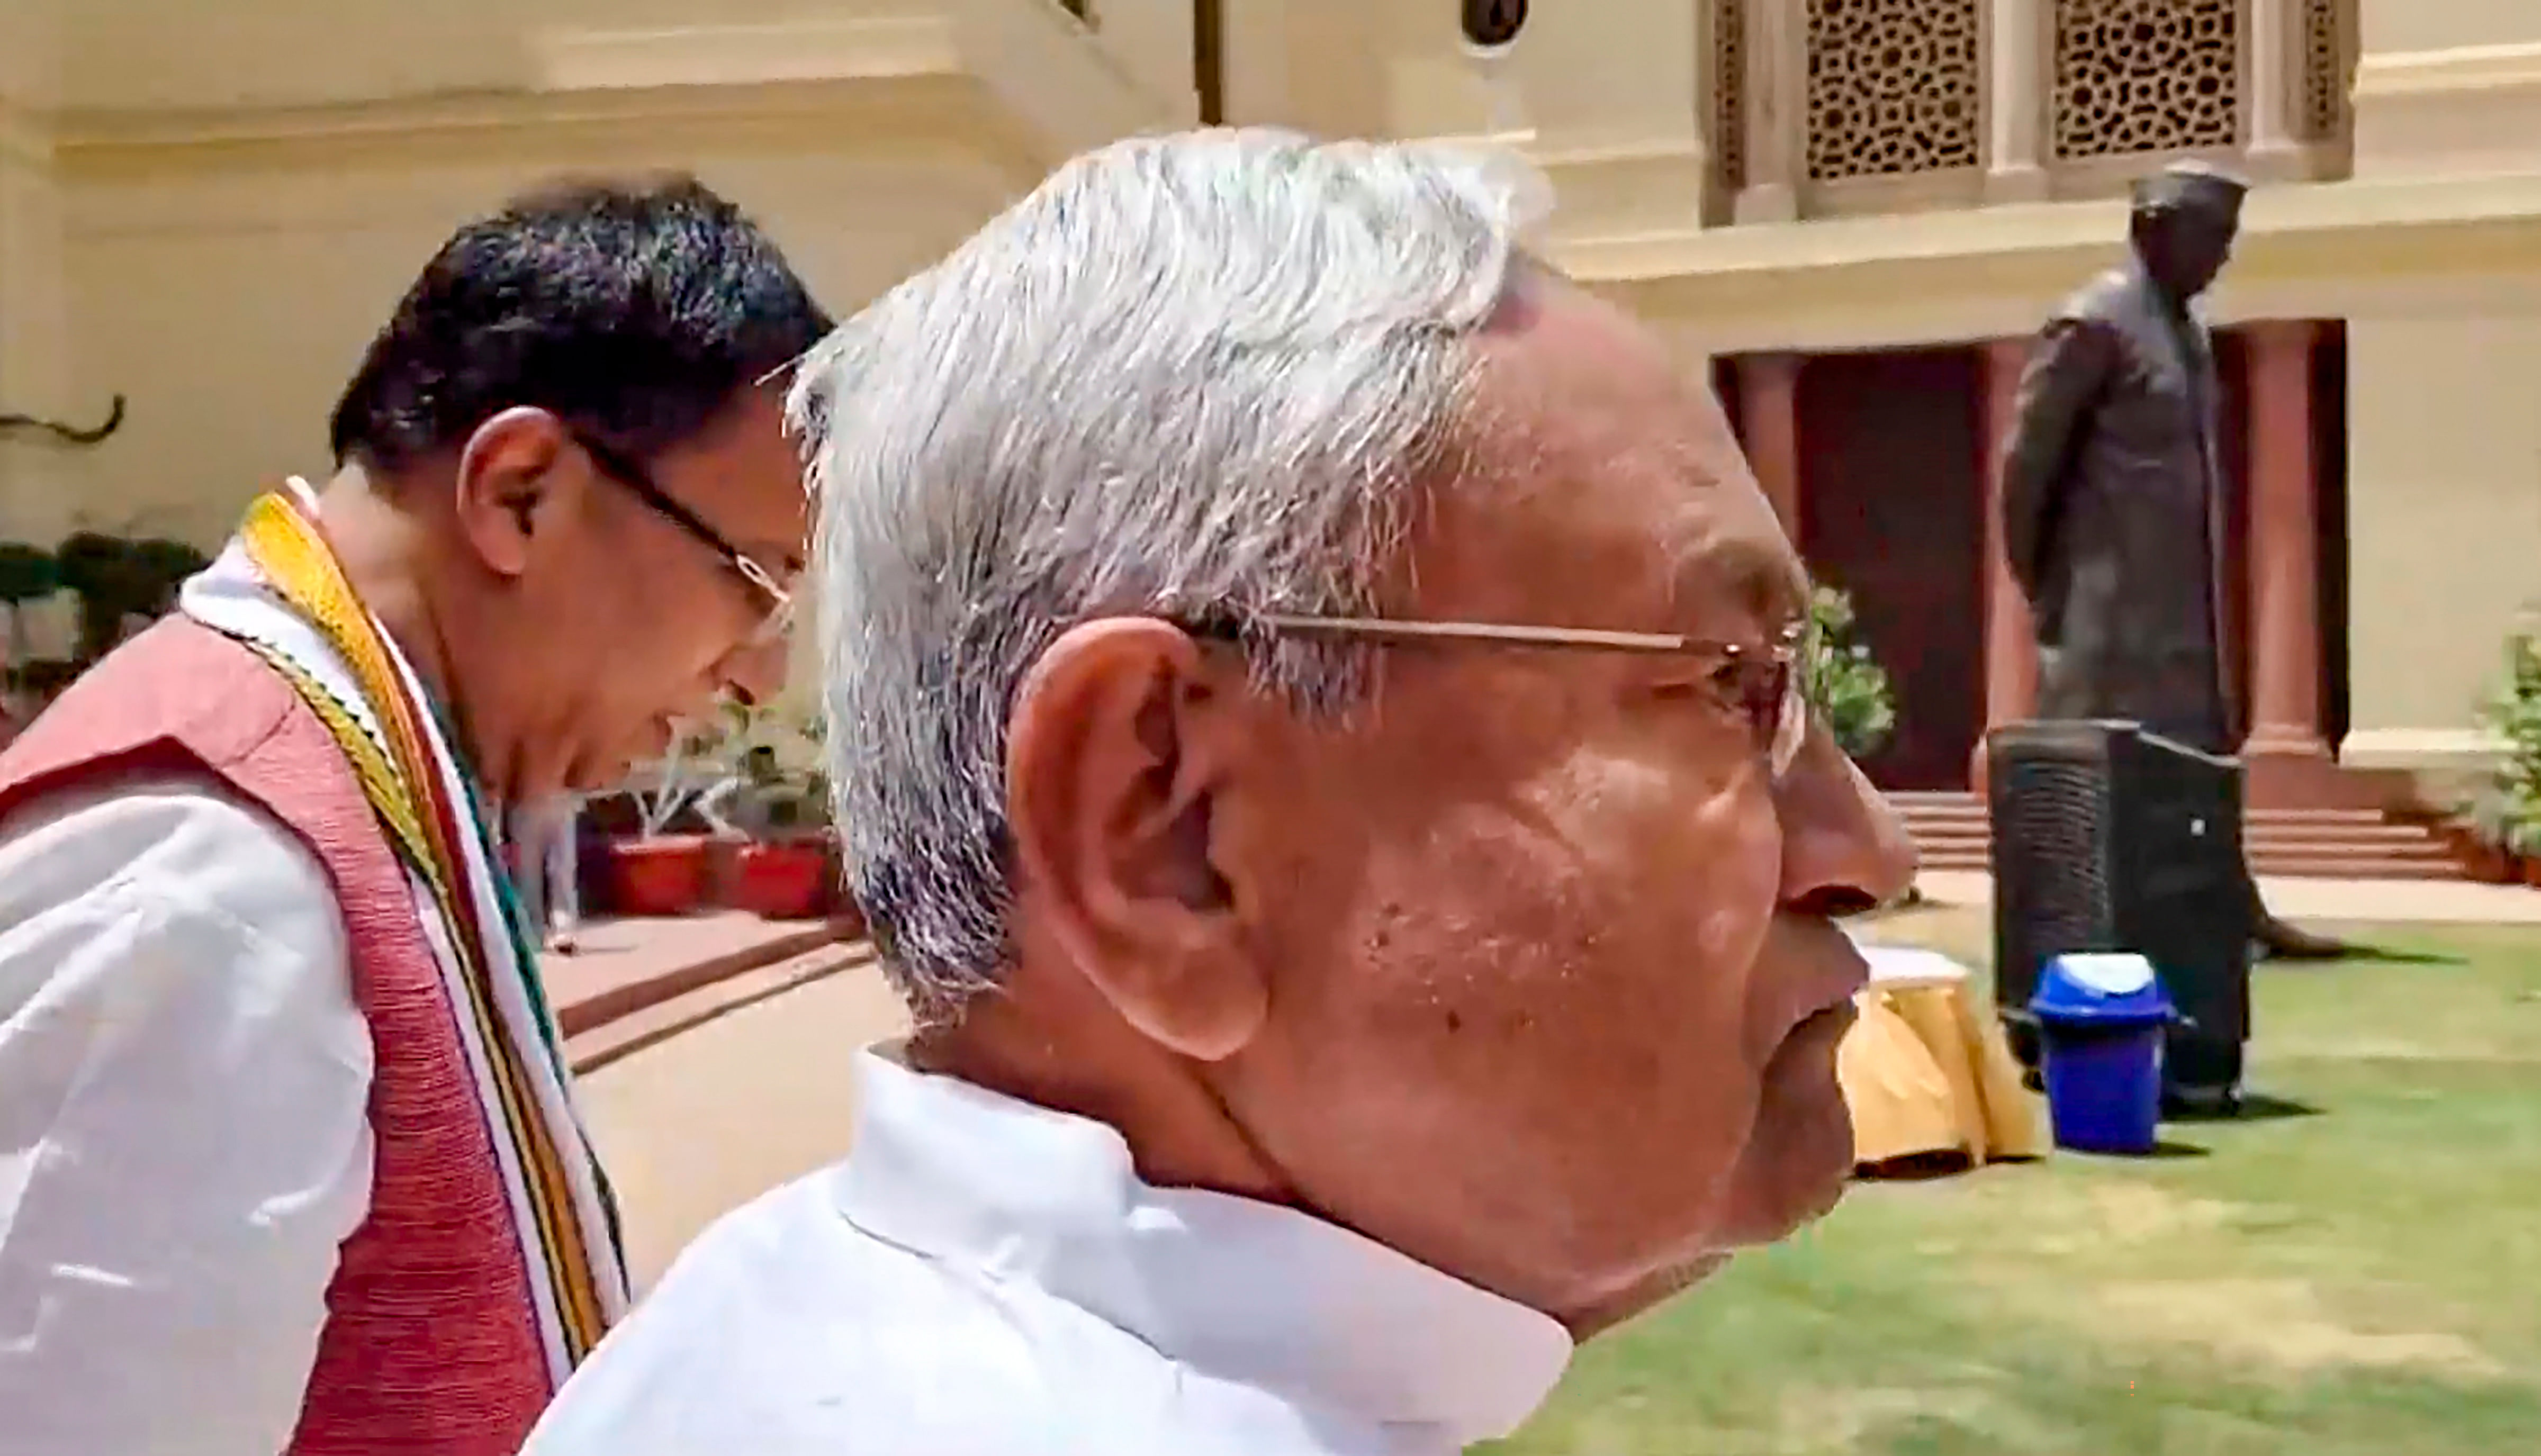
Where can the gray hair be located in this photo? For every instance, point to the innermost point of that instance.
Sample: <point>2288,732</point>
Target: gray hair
<point>1193,376</point>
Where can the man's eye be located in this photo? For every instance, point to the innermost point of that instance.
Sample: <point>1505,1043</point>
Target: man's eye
<point>1724,686</point>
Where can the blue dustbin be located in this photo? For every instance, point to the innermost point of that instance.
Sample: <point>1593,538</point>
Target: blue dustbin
<point>2101,1021</point>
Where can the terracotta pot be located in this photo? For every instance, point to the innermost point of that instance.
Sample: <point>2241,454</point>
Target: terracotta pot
<point>840,907</point>
<point>593,887</point>
<point>783,880</point>
<point>723,871</point>
<point>2482,860</point>
<point>661,876</point>
<point>2490,864</point>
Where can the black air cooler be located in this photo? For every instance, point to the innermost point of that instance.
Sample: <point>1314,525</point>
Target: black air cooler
<point>2106,838</point>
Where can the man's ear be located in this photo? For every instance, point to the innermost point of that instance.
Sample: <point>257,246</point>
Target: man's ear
<point>1117,745</point>
<point>509,485</point>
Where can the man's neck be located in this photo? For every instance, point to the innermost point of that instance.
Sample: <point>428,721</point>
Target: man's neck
<point>1180,1135</point>
<point>382,557</point>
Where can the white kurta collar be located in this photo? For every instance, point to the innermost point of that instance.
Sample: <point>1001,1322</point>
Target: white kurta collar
<point>1242,1290</point>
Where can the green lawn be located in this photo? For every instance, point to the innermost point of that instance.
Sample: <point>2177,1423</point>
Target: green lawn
<point>2357,1275</point>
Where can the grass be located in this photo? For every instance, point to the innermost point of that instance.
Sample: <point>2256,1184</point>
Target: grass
<point>2355,1272</point>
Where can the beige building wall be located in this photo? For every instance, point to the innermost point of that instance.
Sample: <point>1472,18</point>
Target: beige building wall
<point>231,296</point>
<point>209,210</point>
<point>34,337</point>
<point>1606,94</point>
<point>2444,443</point>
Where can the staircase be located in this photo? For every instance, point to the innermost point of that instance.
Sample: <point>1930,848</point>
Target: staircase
<point>1950,831</point>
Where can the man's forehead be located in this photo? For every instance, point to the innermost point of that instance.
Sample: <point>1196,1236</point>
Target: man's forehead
<point>745,473</point>
<point>1572,387</point>
<point>1622,470</point>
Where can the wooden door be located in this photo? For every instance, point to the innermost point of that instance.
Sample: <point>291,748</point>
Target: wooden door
<point>1891,497</point>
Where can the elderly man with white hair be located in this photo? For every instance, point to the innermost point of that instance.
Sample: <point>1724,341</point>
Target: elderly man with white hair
<point>1316,725</point>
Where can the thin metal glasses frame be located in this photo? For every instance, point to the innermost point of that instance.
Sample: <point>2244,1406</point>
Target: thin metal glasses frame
<point>631,474</point>
<point>1783,653</point>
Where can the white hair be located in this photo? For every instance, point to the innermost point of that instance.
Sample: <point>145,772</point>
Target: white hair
<point>1193,376</point>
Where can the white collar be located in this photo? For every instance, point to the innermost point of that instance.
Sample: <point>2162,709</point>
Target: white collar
<point>1247,1292</point>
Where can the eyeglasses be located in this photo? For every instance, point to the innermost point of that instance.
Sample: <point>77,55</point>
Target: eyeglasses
<point>774,600</point>
<point>1769,686</point>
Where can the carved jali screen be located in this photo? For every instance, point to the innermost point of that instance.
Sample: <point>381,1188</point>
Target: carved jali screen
<point>2329,68</point>
<point>1895,87</point>
<point>1729,92</point>
<point>2147,76</point>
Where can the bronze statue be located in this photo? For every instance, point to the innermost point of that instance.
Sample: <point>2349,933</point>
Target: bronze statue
<point>2113,489</point>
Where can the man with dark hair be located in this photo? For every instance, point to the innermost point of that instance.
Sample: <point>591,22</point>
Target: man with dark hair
<point>288,1154</point>
<point>2113,503</point>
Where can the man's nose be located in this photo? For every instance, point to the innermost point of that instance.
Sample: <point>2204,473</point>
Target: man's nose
<point>756,673</point>
<point>1844,849</point>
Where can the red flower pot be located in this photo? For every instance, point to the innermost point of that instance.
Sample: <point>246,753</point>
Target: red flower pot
<point>2482,860</point>
<point>788,880</point>
<point>664,876</point>
<point>2490,864</point>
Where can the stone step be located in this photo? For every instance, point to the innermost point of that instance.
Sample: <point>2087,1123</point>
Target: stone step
<point>2273,865</point>
<point>1938,807</point>
<point>2399,840</point>
<point>1952,830</point>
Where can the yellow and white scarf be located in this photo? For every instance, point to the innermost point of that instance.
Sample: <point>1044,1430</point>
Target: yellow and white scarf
<point>277,588</point>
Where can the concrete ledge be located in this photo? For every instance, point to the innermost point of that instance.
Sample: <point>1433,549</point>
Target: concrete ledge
<point>2307,249</point>
<point>2510,67</point>
<point>627,967</point>
<point>860,49</point>
<point>2422,749</point>
<point>662,1020</point>
<point>2468,110</point>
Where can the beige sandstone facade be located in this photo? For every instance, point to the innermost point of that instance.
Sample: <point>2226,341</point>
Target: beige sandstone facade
<point>207,208</point>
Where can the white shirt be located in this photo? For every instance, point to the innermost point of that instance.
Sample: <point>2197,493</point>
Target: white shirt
<point>983,1278</point>
<point>184,1135</point>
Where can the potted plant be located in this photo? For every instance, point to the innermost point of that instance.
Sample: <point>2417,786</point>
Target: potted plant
<point>1849,691</point>
<point>118,581</point>
<point>773,811</point>
<point>2505,817</point>
<point>784,872</point>
<point>660,869</point>
<point>27,574</point>
<point>2478,836</point>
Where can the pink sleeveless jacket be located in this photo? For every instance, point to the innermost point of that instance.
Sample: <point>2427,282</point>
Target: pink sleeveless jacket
<point>431,1345</point>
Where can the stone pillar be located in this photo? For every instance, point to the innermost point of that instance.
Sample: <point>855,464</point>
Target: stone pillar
<point>1769,404</point>
<point>2286,754</point>
<point>2010,645</point>
<point>2015,101</point>
<point>1777,110</point>
<point>2272,73</point>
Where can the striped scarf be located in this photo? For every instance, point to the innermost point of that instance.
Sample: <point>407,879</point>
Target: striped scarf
<point>280,590</point>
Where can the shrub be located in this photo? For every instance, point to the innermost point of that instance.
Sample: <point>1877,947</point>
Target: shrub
<point>1849,691</point>
<point>2509,811</point>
